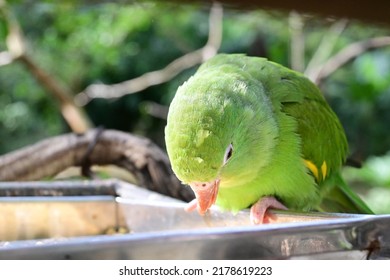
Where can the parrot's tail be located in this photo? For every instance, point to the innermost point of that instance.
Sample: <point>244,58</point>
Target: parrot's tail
<point>341,198</point>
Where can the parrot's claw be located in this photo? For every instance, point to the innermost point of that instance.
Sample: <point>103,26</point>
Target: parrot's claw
<point>191,206</point>
<point>259,215</point>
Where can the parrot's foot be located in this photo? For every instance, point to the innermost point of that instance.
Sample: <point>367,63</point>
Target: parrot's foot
<point>258,213</point>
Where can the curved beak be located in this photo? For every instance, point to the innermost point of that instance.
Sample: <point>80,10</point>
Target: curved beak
<point>206,194</point>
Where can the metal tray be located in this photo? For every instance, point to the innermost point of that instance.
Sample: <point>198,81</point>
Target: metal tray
<point>115,220</point>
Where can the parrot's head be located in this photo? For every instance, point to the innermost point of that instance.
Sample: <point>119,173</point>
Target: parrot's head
<point>211,134</point>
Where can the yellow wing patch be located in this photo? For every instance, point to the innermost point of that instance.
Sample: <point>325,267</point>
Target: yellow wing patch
<point>324,170</point>
<point>312,167</point>
<point>319,174</point>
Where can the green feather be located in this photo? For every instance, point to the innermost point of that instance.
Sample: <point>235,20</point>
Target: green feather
<point>287,141</point>
<point>338,196</point>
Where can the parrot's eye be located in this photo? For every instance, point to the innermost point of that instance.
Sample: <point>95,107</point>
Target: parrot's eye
<point>228,153</point>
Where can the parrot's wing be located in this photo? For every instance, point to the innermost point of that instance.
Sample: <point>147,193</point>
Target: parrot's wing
<point>317,123</point>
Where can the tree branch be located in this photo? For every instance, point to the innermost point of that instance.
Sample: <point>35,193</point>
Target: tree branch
<point>297,44</point>
<point>73,115</point>
<point>347,54</point>
<point>5,58</point>
<point>160,76</point>
<point>325,48</point>
<point>139,156</point>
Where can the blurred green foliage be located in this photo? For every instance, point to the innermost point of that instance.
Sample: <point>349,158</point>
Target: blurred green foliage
<point>81,44</point>
<point>373,181</point>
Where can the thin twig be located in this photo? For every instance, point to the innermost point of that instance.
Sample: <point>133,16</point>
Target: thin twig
<point>347,54</point>
<point>160,76</point>
<point>325,48</point>
<point>73,115</point>
<point>297,44</point>
<point>14,39</point>
<point>5,58</point>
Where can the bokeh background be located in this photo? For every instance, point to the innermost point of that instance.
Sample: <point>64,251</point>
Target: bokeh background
<point>88,49</point>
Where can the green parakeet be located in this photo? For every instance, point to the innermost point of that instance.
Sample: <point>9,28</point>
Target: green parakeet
<point>247,132</point>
